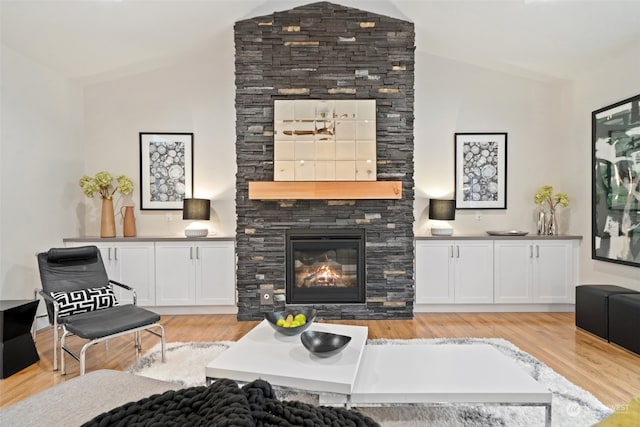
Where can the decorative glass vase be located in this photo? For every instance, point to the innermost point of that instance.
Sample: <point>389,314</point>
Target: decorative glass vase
<point>542,223</point>
<point>107,219</point>
<point>552,226</point>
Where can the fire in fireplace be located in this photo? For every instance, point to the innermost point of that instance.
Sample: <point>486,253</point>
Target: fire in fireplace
<point>325,266</point>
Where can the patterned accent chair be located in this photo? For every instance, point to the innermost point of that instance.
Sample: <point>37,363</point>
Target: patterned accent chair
<point>80,301</point>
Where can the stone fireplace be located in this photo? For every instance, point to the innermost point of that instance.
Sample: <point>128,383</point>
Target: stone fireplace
<point>325,266</point>
<point>324,51</point>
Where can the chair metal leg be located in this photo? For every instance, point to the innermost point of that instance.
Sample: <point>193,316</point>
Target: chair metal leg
<point>55,348</point>
<point>82,359</point>
<point>163,343</point>
<point>83,355</point>
<point>63,367</point>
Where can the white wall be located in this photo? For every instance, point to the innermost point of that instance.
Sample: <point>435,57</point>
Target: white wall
<point>41,159</point>
<point>195,94</point>
<point>549,142</point>
<point>456,97</point>
<point>548,126</point>
<point>614,80</point>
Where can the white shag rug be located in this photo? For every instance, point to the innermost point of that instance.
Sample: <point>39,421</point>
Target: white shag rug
<point>572,406</point>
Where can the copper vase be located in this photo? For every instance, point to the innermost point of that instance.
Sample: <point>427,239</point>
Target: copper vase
<point>107,220</point>
<point>128,221</point>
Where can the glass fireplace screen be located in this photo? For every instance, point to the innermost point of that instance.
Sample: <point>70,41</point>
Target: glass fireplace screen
<point>325,267</point>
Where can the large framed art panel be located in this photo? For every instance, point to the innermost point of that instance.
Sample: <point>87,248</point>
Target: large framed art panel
<point>616,182</point>
<point>481,170</point>
<point>166,170</point>
<point>325,140</point>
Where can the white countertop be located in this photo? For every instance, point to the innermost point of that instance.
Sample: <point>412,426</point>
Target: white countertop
<point>485,236</point>
<point>147,239</point>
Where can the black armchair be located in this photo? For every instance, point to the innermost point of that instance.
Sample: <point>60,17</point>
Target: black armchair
<point>80,300</point>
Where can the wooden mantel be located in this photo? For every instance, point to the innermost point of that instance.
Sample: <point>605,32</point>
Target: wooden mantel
<point>324,190</point>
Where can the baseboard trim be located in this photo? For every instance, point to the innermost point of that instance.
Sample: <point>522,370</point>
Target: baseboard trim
<point>205,309</point>
<point>493,308</point>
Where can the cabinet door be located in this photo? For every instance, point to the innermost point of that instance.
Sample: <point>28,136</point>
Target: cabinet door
<point>133,265</point>
<point>175,273</point>
<point>215,273</point>
<point>513,276</point>
<point>108,258</point>
<point>108,253</point>
<point>434,272</point>
<point>473,276</point>
<point>553,272</point>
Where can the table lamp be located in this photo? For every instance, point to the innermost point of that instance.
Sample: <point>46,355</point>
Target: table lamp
<point>198,210</point>
<point>441,211</point>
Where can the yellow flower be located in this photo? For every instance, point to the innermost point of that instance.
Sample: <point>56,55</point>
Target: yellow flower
<point>125,185</point>
<point>102,184</point>
<point>545,196</point>
<point>561,199</point>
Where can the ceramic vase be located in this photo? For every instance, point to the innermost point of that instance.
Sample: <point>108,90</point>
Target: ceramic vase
<point>128,221</point>
<point>107,220</point>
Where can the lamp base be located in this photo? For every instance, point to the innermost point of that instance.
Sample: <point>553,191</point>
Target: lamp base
<point>441,231</point>
<point>196,229</point>
<point>203,232</point>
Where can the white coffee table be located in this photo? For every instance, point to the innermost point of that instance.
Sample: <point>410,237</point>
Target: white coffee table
<point>283,361</point>
<point>367,375</point>
<point>444,374</point>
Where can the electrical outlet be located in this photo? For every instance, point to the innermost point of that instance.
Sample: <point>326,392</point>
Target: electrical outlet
<point>266,296</point>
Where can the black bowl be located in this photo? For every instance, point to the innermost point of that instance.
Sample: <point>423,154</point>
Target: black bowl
<point>324,344</point>
<point>274,316</point>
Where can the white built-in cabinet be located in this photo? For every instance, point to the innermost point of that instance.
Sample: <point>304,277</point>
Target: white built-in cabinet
<point>454,272</point>
<point>131,263</point>
<point>170,272</point>
<point>195,273</point>
<point>534,271</point>
<point>496,271</point>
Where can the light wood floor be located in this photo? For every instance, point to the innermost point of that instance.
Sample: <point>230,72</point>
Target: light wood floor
<point>608,372</point>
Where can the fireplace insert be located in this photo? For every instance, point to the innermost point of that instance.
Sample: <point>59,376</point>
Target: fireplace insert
<point>325,266</point>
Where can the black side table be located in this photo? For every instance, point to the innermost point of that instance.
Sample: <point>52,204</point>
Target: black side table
<point>17,349</point>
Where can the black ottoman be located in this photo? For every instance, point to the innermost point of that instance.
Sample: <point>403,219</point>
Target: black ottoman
<point>592,307</point>
<point>624,321</point>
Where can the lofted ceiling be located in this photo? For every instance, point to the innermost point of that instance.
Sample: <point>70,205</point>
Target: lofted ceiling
<point>543,39</point>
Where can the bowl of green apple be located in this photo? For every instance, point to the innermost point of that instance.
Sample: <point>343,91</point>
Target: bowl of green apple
<point>292,321</point>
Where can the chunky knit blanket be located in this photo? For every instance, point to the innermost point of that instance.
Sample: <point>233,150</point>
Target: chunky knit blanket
<point>225,404</point>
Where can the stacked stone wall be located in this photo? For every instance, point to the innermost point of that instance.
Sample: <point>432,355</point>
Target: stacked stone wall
<point>325,51</point>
